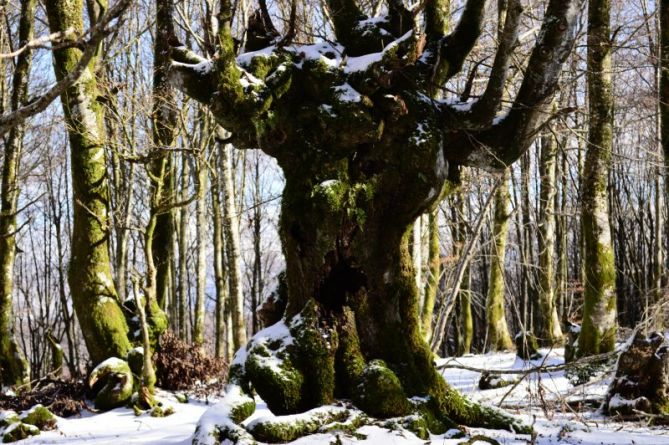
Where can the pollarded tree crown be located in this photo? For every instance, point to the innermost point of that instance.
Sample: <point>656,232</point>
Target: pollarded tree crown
<point>377,84</point>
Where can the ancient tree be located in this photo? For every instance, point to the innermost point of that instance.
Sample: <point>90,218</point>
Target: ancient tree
<point>365,148</point>
<point>93,291</point>
<point>598,332</point>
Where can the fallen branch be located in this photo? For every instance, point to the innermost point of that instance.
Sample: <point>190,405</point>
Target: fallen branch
<point>542,369</point>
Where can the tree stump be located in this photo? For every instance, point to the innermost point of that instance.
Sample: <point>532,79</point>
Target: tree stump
<point>642,378</point>
<point>527,346</point>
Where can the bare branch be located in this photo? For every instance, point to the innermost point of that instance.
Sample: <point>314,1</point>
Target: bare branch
<point>37,105</point>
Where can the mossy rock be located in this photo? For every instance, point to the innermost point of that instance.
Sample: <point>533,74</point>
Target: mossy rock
<point>41,417</point>
<point>379,392</point>
<point>136,360</point>
<point>7,418</point>
<point>159,411</point>
<point>19,431</point>
<point>111,382</point>
<point>527,346</point>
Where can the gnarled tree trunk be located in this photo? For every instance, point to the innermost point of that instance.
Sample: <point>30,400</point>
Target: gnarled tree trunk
<point>365,150</point>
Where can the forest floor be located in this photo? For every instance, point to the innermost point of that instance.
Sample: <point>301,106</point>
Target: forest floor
<point>541,399</point>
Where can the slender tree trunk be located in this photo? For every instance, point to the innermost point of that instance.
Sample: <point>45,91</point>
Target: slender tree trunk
<point>599,310</point>
<point>200,175</point>
<point>257,281</point>
<point>433,275</point>
<point>231,227</point>
<point>664,105</point>
<point>14,367</point>
<point>551,332</point>
<point>182,296</point>
<point>498,330</point>
<point>464,296</point>
<point>93,290</point>
<point>164,135</point>
<point>220,273</point>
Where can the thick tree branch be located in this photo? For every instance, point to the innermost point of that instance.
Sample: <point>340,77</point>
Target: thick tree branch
<point>456,46</point>
<point>345,16</point>
<point>483,111</point>
<point>500,145</point>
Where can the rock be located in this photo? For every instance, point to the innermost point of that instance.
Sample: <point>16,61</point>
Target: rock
<point>494,381</point>
<point>527,346</point>
<point>111,382</point>
<point>136,360</point>
<point>641,382</point>
<point>19,431</point>
<point>41,417</point>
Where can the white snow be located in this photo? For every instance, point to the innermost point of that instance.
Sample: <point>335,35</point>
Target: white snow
<point>346,93</point>
<point>553,426</point>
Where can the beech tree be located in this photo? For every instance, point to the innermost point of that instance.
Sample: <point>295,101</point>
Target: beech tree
<point>599,278</point>
<point>14,368</point>
<point>365,149</point>
<point>93,291</point>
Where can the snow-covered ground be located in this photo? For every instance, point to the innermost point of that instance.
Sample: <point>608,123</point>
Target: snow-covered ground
<point>538,399</point>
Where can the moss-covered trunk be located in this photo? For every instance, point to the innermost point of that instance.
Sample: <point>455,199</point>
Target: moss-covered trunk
<point>14,368</point>
<point>353,306</point>
<point>433,276</point>
<point>551,332</point>
<point>599,308</point>
<point>498,330</point>
<point>93,292</point>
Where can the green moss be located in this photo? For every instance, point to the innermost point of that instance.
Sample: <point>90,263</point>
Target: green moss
<point>7,418</point>
<point>293,427</point>
<point>276,379</point>
<point>349,363</point>
<point>136,361</point>
<point>41,417</point>
<point>315,346</point>
<point>112,383</point>
<point>380,393</point>
<point>159,411</point>
<point>19,431</point>
<point>242,410</point>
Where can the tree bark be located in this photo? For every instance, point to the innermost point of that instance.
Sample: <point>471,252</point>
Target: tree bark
<point>14,368</point>
<point>499,338</point>
<point>551,332</point>
<point>663,6</point>
<point>598,332</point>
<point>220,271</point>
<point>200,174</point>
<point>231,229</point>
<point>433,275</point>
<point>93,291</point>
<point>161,169</point>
